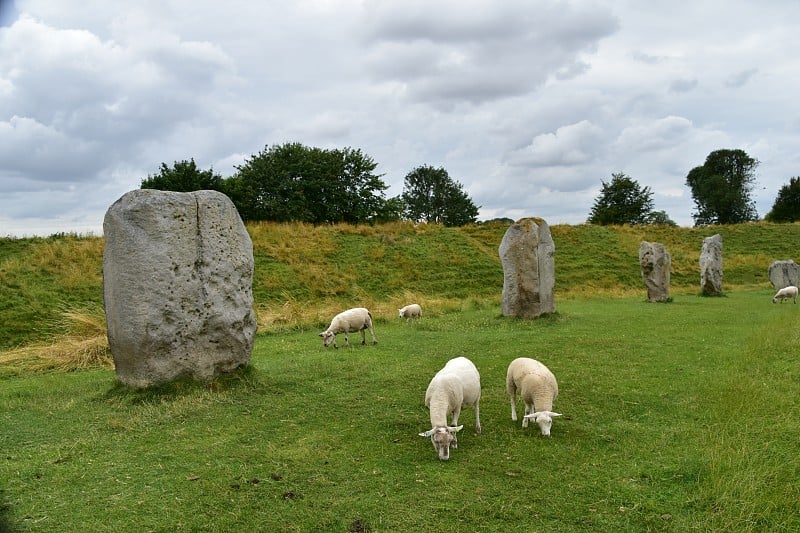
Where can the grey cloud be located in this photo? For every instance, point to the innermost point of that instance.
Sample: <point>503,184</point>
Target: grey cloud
<point>485,52</point>
<point>683,85</point>
<point>109,102</point>
<point>741,78</point>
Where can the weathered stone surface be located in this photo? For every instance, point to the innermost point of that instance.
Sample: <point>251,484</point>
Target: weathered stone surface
<point>526,253</point>
<point>655,262</point>
<point>784,273</point>
<point>177,286</point>
<point>711,266</point>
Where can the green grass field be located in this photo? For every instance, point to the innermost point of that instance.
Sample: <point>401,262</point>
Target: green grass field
<point>677,417</point>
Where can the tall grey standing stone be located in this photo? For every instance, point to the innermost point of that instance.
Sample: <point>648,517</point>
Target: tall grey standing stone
<point>656,263</point>
<point>526,253</point>
<point>711,266</point>
<point>177,286</point>
<point>784,273</point>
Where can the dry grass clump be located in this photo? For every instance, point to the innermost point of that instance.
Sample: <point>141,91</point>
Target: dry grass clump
<point>83,345</point>
<point>294,314</point>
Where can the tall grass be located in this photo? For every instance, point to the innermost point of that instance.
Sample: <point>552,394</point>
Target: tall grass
<point>313,270</point>
<point>81,343</point>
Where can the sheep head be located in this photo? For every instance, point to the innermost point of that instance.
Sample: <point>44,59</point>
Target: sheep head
<point>544,419</point>
<point>442,437</point>
<point>327,337</point>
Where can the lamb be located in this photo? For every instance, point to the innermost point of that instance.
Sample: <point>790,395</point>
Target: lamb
<point>350,321</point>
<point>786,293</point>
<point>538,388</point>
<point>456,385</point>
<point>411,311</point>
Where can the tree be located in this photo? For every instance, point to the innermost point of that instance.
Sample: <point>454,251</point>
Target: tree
<point>622,201</point>
<point>787,205</point>
<point>721,188</point>
<point>660,217</point>
<point>295,182</point>
<point>391,210</point>
<point>184,176</point>
<point>431,195</point>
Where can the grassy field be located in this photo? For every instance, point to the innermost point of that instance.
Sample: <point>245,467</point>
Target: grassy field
<point>677,417</point>
<point>305,273</point>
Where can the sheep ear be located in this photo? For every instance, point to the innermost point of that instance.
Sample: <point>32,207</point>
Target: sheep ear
<point>427,433</point>
<point>531,416</point>
<point>322,334</point>
<point>554,414</point>
<point>455,429</point>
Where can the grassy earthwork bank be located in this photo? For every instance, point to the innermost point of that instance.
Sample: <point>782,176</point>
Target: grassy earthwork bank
<point>679,416</point>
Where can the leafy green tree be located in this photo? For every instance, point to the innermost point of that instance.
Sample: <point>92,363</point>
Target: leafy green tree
<point>622,201</point>
<point>293,182</point>
<point>391,210</point>
<point>660,217</point>
<point>721,188</point>
<point>787,205</point>
<point>184,176</point>
<point>431,195</point>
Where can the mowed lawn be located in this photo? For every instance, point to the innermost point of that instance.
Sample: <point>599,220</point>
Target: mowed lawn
<point>676,417</point>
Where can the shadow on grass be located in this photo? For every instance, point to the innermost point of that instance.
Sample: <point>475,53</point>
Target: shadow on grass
<point>247,378</point>
<point>6,524</point>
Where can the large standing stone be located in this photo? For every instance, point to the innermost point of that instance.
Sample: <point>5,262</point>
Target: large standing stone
<point>177,286</point>
<point>711,266</point>
<point>655,262</point>
<point>526,253</point>
<point>784,273</point>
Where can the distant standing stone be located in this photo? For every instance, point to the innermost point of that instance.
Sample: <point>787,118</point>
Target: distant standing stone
<point>784,273</point>
<point>526,253</point>
<point>177,286</point>
<point>711,266</point>
<point>655,262</point>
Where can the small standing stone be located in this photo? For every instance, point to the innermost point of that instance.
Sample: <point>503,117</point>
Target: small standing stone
<point>784,273</point>
<point>711,266</point>
<point>526,252</point>
<point>655,262</point>
<point>177,286</point>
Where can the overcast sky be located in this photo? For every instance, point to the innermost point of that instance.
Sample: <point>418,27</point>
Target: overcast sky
<point>528,104</point>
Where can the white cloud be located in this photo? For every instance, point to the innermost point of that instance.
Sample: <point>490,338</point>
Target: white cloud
<point>528,105</point>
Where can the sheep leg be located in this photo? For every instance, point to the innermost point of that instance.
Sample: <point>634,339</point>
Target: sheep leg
<point>512,393</point>
<point>456,413</point>
<point>477,417</point>
<point>528,411</point>
<point>372,332</point>
<point>346,339</point>
<point>363,338</point>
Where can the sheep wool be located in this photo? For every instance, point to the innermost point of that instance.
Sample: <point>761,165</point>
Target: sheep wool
<point>538,388</point>
<point>350,321</point>
<point>456,385</point>
<point>786,293</point>
<point>411,311</point>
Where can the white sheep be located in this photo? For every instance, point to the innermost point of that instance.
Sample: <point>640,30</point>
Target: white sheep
<point>538,388</point>
<point>411,311</point>
<point>456,385</point>
<point>786,293</point>
<point>350,321</point>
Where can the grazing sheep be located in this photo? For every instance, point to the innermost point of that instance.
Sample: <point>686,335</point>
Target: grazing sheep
<point>411,311</point>
<point>456,385</point>
<point>538,388</point>
<point>786,293</point>
<point>350,321</point>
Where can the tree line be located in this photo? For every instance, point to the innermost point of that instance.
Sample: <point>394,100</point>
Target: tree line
<point>721,189</point>
<point>294,182</point>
